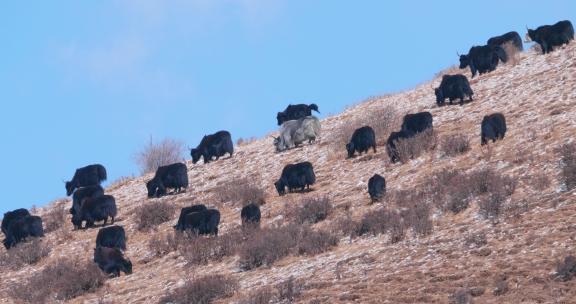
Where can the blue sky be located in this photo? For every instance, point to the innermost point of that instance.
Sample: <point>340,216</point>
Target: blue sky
<point>86,82</point>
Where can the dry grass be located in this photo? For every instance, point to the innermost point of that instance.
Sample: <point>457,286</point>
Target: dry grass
<point>241,191</point>
<point>454,145</point>
<point>156,154</point>
<point>414,147</point>
<point>512,53</point>
<point>311,242</point>
<point>27,253</point>
<point>245,141</point>
<point>310,210</point>
<point>62,280</point>
<point>149,215</point>
<point>161,244</point>
<point>198,250</point>
<point>55,218</point>
<point>568,164</point>
<point>566,270</point>
<point>203,290</point>
<point>120,182</point>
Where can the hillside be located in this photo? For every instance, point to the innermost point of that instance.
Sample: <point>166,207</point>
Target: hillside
<point>536,93</point>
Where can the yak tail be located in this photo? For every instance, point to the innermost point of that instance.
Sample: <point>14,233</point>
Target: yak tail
<point>501,53</point>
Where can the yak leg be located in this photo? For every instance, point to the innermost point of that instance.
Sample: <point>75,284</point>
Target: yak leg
<point>112,219</point>
<point>374,148</point>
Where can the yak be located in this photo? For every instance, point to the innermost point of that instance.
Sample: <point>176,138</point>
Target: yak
<point>95,209</point>
<point>202,222</point>
<point>250,215</point>
<point>171,176</point>
<point>295,176</point>
<point>12,216</point>
<point>185,211</point>
<point>295,132</point>
<point>213,145</point>
<point>376,187</point>
<point>111,236</point>
<point>82,193</point>
<point>453,87</point>
<point>294,112</point>
<point>86,176</point>
<point>417,122</point>
<point>483,59</point>
<point>392,141</point>
<point>549,36</point>
<point>510,38</point>
<point>112,261</point>
<point>362,140</point>
<point>493,128</point>
<point>21,228</point>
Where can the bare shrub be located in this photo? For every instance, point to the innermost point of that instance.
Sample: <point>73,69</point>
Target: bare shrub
<point>566,270</point>
<point>26,253</point>
<point>568,165</point>
<point>161,244</point>
<point>311,242</point>
<point>55,218</point>
<point>63,280</point>
<point>461,296</point>
<point>289,290</point>
<point>150,215</point>
<point>311,210</point>
<point>198,250</point>
<point>381,222</point>
<point>268,246</point>
<point>476,240</point>
<point>156,154</point>
<point>491,206</point>
<point>540,182</point>
<point>418,218</point>
<point>454,145</point>
<point>240,191</point>
<point>264,295</point>
<point>413,147</point>
<point>346,226</point>
<point>203,290</point>
<point>382,120</point>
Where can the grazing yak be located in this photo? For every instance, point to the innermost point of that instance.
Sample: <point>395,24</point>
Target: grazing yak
<point>86,176</point>
<point>493,128</point>
<point>203,222</point>
<point>21,228</point>
<point>392,141</point>
<point>483,59</point>
<point>112,261</point>
<point>213,145</point>
<point>295,176</point>
<point>294,112</point>
<point>362,140</point>
<point>295,132</point>
<point>171,176</point>
<point>511,38</point>
<point>376,187</point>
<point>112,237</point>
<point>185,211</point>
<point>94,210</point>
<point>549,36</point>
<point>12,216</point>
<point>417,122</point>
<point>250,215</point>
<point>82,193</point>
<point>453,87</point>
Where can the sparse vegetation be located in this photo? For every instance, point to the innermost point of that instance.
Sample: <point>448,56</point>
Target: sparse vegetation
<point>311,242</point>
<point>289,290</point>
<point>203,290</point>
<point>413,147</point>
<point>568,174</point>
<point>156,154</point>
<point>240,191</point>
<point>152,214</point>
<point>461,296</point>
<point>454,145</point>
<point>55,218</point>
<point>62,280</point>
<point>26,253</point>
<point>161,244</point>
<point>198,250</point>
<point>311,210</point>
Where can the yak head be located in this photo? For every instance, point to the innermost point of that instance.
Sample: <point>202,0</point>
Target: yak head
<point>530,35</point>
<point>464,61</point>
<point>281,117</point>
<point>439,95</point>
<point>280,187</point>
<point>153,188</point>
<point>70,188</point>
<point>350,148</point>
<point>314,107</point>
<point>196,154</point>
<point>279,144</point>
<point>127,266</point>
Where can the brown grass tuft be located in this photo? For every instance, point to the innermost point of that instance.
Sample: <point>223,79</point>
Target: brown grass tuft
<point>149,215</point>
<point>454,145</point>
<point>568,165</point>
<point>240,191</point>
<point>55,218</point>
<point>156,154</point>
<point>27,253</point>
<point>310,210</point>
<point>414,147</point>
<point>203,290</point>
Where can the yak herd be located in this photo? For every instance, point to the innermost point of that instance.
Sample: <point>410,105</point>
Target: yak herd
<point>90,204</point>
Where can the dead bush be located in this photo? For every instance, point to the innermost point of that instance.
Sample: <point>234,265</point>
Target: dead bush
<point>203,290</point>
<point>264,295</point>
<point>289,290</point>
<point>566,270</point>
<point>381,222</point>
<point>26,253</point>
<point>540,182</point>
<point>55,218</point>
<point>568,165</point>
<point>476,240</point>
<point>268,246</point>
<point>346,226</point>
<point>62,280</point>
<point>491,206</point>
<point>240,191</point>
<point>311,210</point>
<point>161,244</point>
<point>454,145</point>
<point>311,242</point>
<point>198,250</point>
<point>150,215</point>
<point>156,154</point>
<point>414,147</point>
<point>418,218</point>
